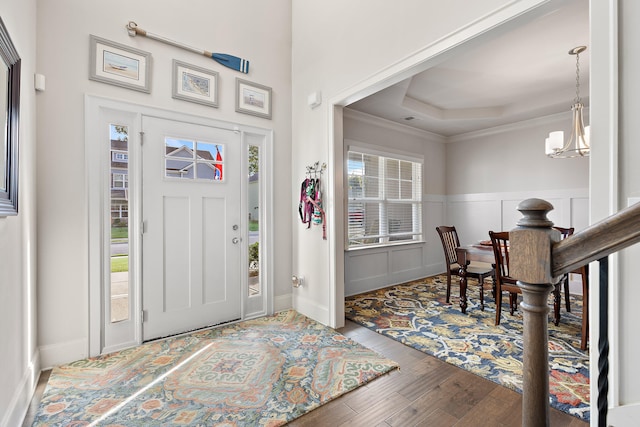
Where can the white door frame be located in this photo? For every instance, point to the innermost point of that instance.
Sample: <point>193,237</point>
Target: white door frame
<point>105,337</point>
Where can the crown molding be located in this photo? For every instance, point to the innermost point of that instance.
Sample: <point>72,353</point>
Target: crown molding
<point>388,124</point>
<point>398,127</point>
<point>525,124</point>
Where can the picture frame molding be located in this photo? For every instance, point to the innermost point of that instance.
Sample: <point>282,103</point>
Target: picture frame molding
<point>9,145</point>
<point>177,93</point>
<point>118,76</point>
<point>261,90</point>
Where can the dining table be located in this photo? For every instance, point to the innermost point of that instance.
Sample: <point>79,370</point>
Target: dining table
<point>481,252</point>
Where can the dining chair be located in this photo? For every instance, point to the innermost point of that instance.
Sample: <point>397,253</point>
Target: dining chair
<point>584,276</point>
<point>450,241</point>
<point>504,282</point>
<point>565,232</point>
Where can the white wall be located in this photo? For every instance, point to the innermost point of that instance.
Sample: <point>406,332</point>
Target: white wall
<point>336,46</point>
<point>19,364</point>
<point>511,158</point>
<point>490,172</point>
<point>627,289</point>
<point>258,31</point>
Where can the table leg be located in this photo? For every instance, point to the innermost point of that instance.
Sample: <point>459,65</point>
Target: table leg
<point>463,286</point>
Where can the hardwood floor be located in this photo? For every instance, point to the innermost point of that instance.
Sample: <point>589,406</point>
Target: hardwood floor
<point>425,391</point>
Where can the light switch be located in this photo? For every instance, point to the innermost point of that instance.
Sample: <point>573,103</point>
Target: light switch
<point>39,82</point>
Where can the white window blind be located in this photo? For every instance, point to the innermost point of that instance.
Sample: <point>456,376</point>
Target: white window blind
<point>385,199</point>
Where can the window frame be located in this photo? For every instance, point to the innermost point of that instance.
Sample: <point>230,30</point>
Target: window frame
<point>385,238</point>
<point>124,180</point>
<point>119,156</point>
<point>194,161</point>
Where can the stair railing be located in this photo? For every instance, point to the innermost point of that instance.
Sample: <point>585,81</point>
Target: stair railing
<point>538,258</point>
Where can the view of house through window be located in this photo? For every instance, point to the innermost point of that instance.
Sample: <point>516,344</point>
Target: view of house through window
<point>190,160</point>
<point>385,199</point>
<point>119,194</point>
<point>254,220</point>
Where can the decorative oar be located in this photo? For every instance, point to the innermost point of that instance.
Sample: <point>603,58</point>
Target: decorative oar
<point>230,61</point>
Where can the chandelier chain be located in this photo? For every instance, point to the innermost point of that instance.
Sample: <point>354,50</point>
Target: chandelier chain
<point>577,99</point>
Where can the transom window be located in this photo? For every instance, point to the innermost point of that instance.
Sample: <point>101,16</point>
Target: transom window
<point>185,159</point>
<point>385,199</point>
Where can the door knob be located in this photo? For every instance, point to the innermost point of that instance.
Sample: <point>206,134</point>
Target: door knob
<point>236,240</point>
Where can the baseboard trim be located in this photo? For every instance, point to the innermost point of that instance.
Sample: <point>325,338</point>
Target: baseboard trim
<point>625,415</point>
<point>19,405</point>
<point>59,354</point>
<point>282,302</point>
<point>312,309</point>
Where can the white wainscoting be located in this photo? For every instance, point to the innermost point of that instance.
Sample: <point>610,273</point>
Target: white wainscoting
<point>473,216</point>
<point>375,268</point>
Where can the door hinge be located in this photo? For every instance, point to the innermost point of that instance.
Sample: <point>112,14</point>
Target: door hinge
<point>141,138</point>
<point>142,316</point>
<point>143,227</point>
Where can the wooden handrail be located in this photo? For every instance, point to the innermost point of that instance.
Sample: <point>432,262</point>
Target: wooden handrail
<point>597,241</point>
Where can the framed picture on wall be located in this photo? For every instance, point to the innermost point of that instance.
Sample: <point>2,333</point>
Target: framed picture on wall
<point>10,104</point>
<point>119,65</point>
<point>194,84</point>
<point>252,98</point>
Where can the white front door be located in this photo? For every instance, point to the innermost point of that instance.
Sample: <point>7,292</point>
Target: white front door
<point>191,193</point>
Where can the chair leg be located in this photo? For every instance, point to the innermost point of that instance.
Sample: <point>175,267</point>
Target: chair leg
<point>585,308</point>
<point>566,293</point>
<point>493,287</point>
<point>481,281</point>
<point>513,299</point>
<point>498,306</point>
<point>557,300</point>
<point>448,284</point>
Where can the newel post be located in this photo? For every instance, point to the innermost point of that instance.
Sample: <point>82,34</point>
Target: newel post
<point>530,264</point>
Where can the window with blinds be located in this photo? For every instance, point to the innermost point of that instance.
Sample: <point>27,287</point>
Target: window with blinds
<point>385,199</point>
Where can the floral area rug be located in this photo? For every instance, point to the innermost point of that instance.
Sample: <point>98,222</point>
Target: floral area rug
<point>262,372</point>
<point>417,315</point>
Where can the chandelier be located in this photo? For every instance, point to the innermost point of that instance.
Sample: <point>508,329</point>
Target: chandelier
<point>578,143</point>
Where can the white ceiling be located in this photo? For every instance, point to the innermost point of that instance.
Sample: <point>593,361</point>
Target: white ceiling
<point>522,74</point>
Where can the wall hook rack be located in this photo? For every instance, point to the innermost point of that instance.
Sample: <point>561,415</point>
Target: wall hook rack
<point>315,170</point>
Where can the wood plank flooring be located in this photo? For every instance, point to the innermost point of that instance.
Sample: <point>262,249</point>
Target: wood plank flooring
<point>425,391</point>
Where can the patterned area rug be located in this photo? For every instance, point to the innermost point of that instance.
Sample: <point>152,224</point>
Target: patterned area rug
<point>262,372</point>
<point>417,315</point>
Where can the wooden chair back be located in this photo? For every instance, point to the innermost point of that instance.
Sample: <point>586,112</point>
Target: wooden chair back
<point>449,238</point>
<point>584,275</point>
<point>500,244</point>
<point>565,232</point>
<point>504,282</point>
